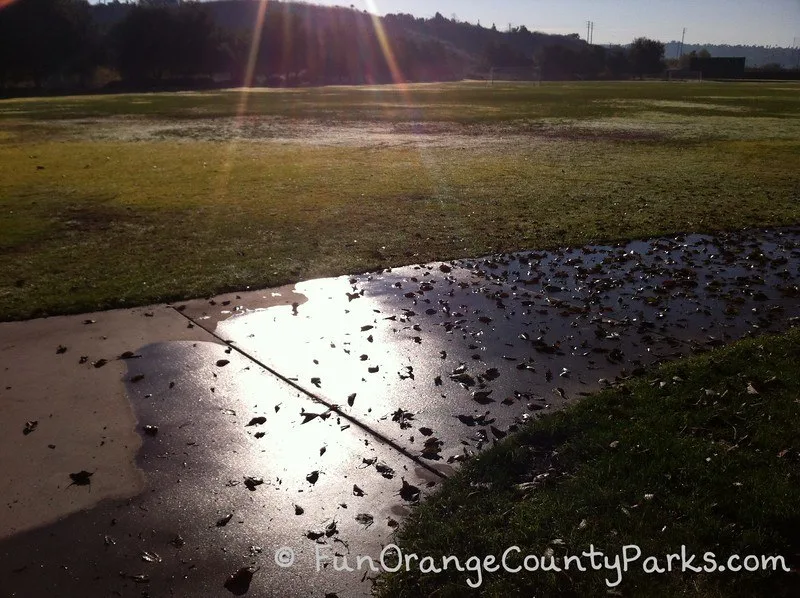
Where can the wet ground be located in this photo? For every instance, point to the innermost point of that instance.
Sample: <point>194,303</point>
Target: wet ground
<point>316,424</point>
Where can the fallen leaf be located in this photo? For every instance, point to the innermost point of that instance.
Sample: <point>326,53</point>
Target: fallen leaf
<point>365,519</point>
<point>239,583</point>
<point>223,521</point>
<point>82,478</point>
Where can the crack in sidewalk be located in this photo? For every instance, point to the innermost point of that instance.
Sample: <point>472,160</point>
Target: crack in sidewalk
<point>317,398</point>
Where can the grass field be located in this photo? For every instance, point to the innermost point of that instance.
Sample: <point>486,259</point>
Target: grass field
<point>699,453</point>
<point>118,200</point>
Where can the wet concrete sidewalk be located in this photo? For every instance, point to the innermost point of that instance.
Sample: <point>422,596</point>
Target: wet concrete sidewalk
<point>314,419</point>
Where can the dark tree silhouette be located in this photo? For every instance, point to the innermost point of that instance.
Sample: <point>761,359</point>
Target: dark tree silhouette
<point>646,56</point>
<point>41,39</point>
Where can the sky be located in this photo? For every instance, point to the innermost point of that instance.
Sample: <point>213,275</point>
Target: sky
<point>757,22</point>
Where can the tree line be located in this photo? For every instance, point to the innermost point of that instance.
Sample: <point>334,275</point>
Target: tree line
<point>68,43</point>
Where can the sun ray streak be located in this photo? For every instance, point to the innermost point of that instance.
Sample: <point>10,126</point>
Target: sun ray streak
<point>244,95</point>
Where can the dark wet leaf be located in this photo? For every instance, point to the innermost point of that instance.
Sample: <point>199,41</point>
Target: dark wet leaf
<point>257,421</point>
<point>313,477</point>
<point>351,399</point>
<point>403,418</point>
<point>82,478</point>
<point>90,321</point>
<point>373,369</point>
<point>322,450</point>
<point>367,327</point>
<point>61,349</point>
<point>150,557</point>
<point>137,378</point>
<point>83,359</point>
<point>444,268</point>
<point>223,521</point>
<point>331,529</point>
<point>136,578</point>
<point>298,510</point>
<point>316,381</point>
<point>425,431</point>
<point>357,491</point>
<point>260,434</point>
<point>150,430</point>
<point>482,397</point>
<point>497,432</point>
<point>178,541</point>
<point>308,416</point>
<point>491,374</point>
<point>30,426</point>
<point>128,355</point>
<point>409,492</point>
<point>437,381</point>
<point>222,362</point>
<point>385,470</point>
<point>239,583</point>
<point>314,534</point>
<point>99,363</point>
<point>252,483</point>
<point>392,523</point>
<point>365,519</point>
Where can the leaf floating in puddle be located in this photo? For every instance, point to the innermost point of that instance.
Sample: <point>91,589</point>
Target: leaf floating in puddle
<point>357,491</point>
<point>331,529</point>
<point>257,421</point>
<point>82,478</point>
<point>482,397</point>
<point>252,483</point>
<point>150,557</point>
<point>313,477</point>
<point>491,374</point>
<point>238,583</point>
<point>222,363</point>
<point>308,416</point>
<point>223,521</point>
<point>409,492</point>
<point>385,470</point>
<point>178,541</point>
<point>128,355</point>
<point>403,418</point>
<point>150,430</point>
<point>30,426</point>
<point>365,519</point>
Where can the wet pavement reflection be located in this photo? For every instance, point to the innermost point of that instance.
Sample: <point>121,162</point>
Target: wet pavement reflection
<point>325,419</point>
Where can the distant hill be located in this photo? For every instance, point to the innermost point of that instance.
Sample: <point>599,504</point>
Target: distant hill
<point>755,55</point>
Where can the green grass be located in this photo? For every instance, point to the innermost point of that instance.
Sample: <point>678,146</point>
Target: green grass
<point>685,456</point>
<point>122,214</point>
